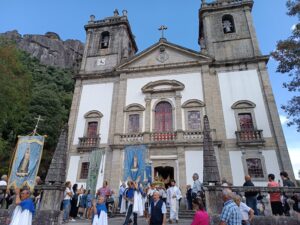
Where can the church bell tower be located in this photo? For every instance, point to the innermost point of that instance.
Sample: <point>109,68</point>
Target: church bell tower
<point>226,30</point>
<point>108,43</point>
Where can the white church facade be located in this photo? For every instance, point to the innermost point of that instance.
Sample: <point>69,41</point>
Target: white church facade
<point>140,115</point>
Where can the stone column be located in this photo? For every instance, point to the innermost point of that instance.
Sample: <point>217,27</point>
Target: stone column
<point>147,113</point>
<point>213,107</point>
<point>274,121</point>
<point>182,167</point>
<point>119,102</point>
<point>116,169</point>
<point>73,113</point>
<point>86,49</point>
<point>251,28</point>
<point>178,111</point>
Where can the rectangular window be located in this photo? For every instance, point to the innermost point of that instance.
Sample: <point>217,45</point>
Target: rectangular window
<point>134,123</point>
<point>84,170</point>
<point>194,121</point>
<point>255,169</point>
<point>92,129</point>
<point>246,122</point>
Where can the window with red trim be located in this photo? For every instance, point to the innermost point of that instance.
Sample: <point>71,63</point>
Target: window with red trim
<point>92,129</point>
<point>84,170</point>
<point>255,168</point>
<point>163,117</point>
<point>246,122</point>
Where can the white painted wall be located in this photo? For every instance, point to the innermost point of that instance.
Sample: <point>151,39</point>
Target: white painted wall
<point>237,168</point>
<point>95,97</point>
<point>193,89</point>
<point>192,82</point>
<point>242,85</point>
<point>73,169</point>
<point>193,164</point>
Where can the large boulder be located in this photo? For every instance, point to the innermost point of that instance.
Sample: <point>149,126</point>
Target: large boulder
<point>49,48</point>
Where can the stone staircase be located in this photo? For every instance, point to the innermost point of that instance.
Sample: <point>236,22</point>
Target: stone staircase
<point>183,214</point>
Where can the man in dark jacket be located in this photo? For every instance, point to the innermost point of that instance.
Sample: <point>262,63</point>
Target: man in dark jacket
<point>251,197</point>
<point>157,211</point>
<point>286,182</point>
<point>189,197</point>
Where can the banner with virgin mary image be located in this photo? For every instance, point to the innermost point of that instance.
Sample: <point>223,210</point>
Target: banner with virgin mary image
<point>134,163</point>
<point>26,161</point>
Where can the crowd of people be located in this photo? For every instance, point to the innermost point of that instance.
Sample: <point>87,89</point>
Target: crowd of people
<point>152,202</point>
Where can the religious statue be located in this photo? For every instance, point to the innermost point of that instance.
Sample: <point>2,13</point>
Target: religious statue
<point>23,168</point>
<point>158,181</point>
<point>135,165</point>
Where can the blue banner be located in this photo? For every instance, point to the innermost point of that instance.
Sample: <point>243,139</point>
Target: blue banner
<point>147,174</point>
<point>134,164</point>
<point>26,161</point>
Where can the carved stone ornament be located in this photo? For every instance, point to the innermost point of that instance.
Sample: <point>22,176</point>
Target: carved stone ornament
<point>163,55</point>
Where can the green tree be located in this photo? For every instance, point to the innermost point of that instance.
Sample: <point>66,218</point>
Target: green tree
<point>29,89</point>
<point>15,81</point>
<point>287,54</point>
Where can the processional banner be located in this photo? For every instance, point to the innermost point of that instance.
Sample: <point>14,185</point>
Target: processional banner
<point>95,160</point>
<point>134,163</point>
<point>26,161</point>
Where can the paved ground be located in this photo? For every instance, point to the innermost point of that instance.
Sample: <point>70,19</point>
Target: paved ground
<point>119,221</point>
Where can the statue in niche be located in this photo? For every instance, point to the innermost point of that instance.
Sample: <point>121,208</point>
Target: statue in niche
<point>23,169</point>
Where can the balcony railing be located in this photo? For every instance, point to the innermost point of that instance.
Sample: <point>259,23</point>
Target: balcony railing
<point>249,137</point>
<point>163,136</point>
<point>170,136</point>
<point>193,135</point>
<point>132,138</point>
<point>88,143</point>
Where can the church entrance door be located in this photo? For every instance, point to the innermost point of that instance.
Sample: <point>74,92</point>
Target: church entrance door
<point>164,174</point>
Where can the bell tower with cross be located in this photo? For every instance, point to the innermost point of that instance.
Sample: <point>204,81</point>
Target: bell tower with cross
<point>226,30</point>
<point>109,42</point>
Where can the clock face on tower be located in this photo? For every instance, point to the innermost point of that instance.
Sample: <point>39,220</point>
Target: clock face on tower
<point>100,62</point>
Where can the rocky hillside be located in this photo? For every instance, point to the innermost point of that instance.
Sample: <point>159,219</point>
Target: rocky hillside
<point>49,48</point>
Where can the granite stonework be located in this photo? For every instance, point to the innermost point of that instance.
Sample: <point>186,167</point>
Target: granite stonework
<point>49,49</point>
<point>119,65</point>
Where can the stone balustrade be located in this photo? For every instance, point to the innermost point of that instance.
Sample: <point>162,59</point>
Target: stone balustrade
<point>131,138</point>
<point>214,203</point>
<point>178,136</point>
<point>249,137</point>
<point>88,143</point>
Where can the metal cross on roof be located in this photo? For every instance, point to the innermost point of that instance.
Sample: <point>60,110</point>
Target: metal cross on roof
<point>162,29</point>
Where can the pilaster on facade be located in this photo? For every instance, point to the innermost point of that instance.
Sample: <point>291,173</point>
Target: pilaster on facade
<point>178,110</point>
<point>251,28</point>
<point>148,113</point>
<point>276,127</point>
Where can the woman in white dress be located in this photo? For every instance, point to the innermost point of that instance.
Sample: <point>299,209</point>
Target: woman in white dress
<point>24,210</point>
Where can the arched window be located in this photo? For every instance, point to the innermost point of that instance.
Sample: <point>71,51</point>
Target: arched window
<point>163,117</point>
<point>104,42</point>
<point>228,24</point>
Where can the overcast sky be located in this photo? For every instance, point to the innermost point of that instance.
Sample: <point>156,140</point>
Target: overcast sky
<point>67,18</point>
